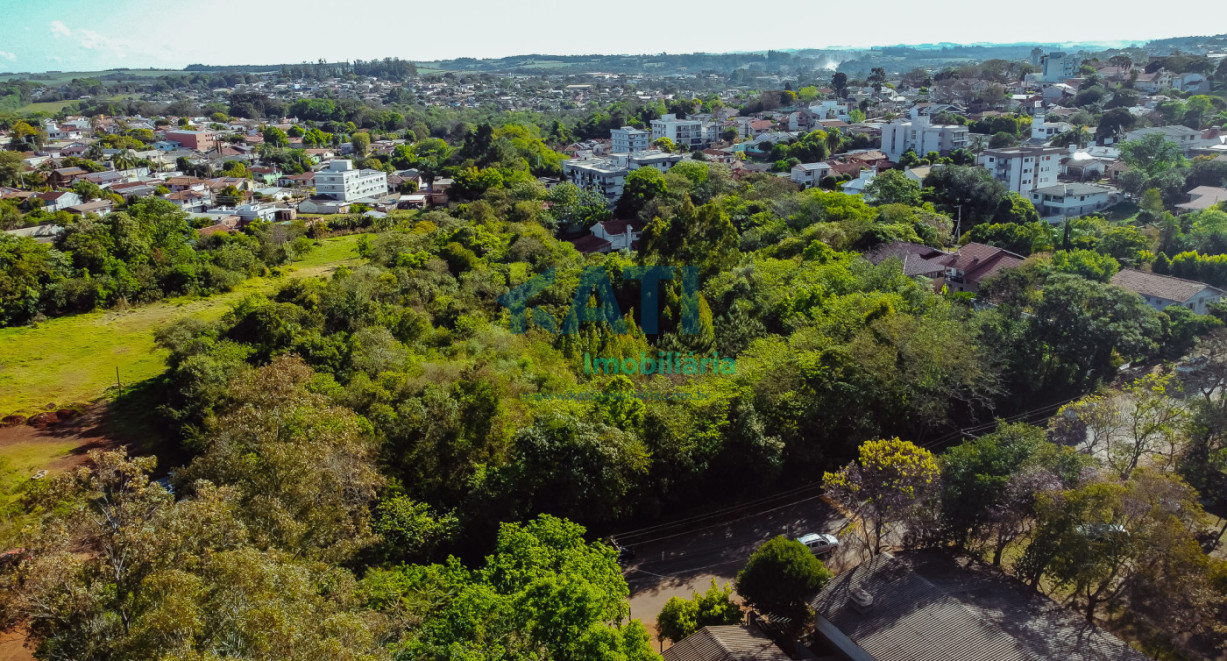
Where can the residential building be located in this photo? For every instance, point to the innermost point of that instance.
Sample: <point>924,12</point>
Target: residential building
<point>63,177</point>
<point>808,175</point>
<point>735,642</point>
<point>1203,197</point>
<point>1191,83</point>
<point>1071,200</point>
<point>831,109</point>
<point>1023,169</point>
<point>1163,291</point>
<point>686,132</point>
<point>197,140</point>
<point>1043,132</point>
<point>59,200</point>
<point>975,263</point>
<point>1154,82</point>
<point>97,207</point>
<point>1187,138</point>
<point>1059,66</point>
<point>340,181</point>
<point>857,185</point>
<point>630,140</point>
<point>919,135</point>
<point>916,259</point>
<point>607,175</point>
<point>621,234</point>
<point>45,233</point>
<point>929,605</point>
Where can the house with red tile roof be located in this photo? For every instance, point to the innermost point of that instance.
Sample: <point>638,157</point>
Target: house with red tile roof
<point>975,263</point>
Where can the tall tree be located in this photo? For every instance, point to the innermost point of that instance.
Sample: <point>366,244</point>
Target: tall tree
<point>882,486</point>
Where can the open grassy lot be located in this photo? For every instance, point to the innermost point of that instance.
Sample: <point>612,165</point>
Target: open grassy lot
<point>72,360</point>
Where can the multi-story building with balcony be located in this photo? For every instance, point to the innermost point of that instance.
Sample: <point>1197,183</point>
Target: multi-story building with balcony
<point>1023,169</point>
<point>607,175</point>
<point>630,140</point>
<point>340,181</point>
<point>922,137</point>
<point>687,132</point>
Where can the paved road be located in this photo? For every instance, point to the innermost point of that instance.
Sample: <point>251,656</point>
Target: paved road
<point>680,559</point>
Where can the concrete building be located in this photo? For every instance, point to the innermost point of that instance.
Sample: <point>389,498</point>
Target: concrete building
<point>921,136</point>
<point>340,181</point>
<point>1162,291</point>
<point>1071,200</point>
<point>1187,138</point>
<point>1059,66</point>
<point>607,175</point>
<point>808,175</point>
<point>197,140</point>
<point>1043,132</point>
<point>688,132</point>
<point>630,140</point>
<point>1023,169</point>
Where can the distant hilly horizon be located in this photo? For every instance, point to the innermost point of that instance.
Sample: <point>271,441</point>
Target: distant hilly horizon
<point>1091,46</point>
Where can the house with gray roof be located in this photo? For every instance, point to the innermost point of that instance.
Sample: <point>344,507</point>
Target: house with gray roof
<point>1163,291</point>
<point>726,643</point>
<point>933,606</point>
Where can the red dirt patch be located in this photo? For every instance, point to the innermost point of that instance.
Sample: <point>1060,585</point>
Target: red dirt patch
<point>87,428</point>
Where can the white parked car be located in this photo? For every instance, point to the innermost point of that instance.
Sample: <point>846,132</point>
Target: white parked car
<point>819,543</point>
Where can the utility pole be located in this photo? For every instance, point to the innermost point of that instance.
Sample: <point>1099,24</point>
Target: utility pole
<point>958,226</point>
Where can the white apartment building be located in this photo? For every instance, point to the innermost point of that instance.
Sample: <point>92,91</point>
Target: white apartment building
<point>1023,169</point>
<point>1042,132</point>
<point>340,181</point>
<point>607,175</point>
<point>919,135</point>
<point>1059,67</point>
<point>630,140</point>
<point>689,132</point>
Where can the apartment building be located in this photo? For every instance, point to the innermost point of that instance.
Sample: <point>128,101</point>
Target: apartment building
<point>1023,169</point>
<point>340,181</point>
<point>607,175</point>
<point>198,140</point>
<point>688,132</point>
<point>921,136</point>
<point>630,140</point>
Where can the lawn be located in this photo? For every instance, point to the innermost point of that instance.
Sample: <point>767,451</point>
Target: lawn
<point>73,360</point>
<point>50,107</point>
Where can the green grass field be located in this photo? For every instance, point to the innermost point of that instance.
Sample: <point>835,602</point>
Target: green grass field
<point>72,360</point>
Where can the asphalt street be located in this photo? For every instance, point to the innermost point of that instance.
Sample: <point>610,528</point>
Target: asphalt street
<point>680,558</point>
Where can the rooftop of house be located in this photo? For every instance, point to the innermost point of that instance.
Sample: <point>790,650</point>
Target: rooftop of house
<point>917,259</point>
<point>619,226</point>
<point>979,261</point>
<point>1204,197</point>
<point>590,243</point>
<point>932,606</point>
<point>726,643</point>
<point>1066,190</point>
<point>1159,286</point>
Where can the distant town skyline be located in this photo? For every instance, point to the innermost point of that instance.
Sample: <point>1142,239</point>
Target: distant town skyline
<point>84,35</point>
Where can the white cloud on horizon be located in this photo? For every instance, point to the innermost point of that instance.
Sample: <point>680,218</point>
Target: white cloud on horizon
<point>58,29</point>
<point>8,57</point>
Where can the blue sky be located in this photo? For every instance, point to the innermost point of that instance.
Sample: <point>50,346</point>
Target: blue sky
<point>85,35</point>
